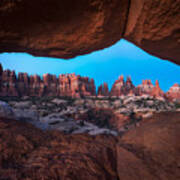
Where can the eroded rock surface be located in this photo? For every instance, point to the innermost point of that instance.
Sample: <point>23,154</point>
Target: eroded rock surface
<point>61,29</point>
<point>68,28</point>
<point>76,86</point>
<point>28,153</point>
<point>150,151</point>
<point>70,85</point>
<point>152,148</point>
<point>154,26</point>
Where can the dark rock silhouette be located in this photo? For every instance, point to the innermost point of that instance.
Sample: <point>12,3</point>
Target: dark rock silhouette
<point>68,28</point>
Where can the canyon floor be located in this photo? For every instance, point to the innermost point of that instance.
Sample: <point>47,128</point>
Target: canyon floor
<point>130,137</point>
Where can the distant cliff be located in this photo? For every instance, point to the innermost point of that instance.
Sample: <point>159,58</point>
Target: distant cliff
<point>72,85</point>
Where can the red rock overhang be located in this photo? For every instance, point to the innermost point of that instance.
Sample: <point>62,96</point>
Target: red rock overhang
<point>67,28</point>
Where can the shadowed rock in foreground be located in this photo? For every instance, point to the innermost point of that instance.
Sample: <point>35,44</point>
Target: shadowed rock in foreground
<point>150,151</point>
<point>67,28</point>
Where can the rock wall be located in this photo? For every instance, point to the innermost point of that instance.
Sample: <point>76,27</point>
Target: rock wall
<point>71,85</point>
<point>121,87</point>
<point>65,85</point>
<point>103,90</point>
<point>174,92</point>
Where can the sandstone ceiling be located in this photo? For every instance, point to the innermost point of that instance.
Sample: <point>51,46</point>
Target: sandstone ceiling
<point>67,28</point>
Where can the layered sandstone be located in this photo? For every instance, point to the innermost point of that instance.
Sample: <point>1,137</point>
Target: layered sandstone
<point>76,86</point>
<point>156,91</point>
<point>8,83</point>
<point>118,87</point>
<point>121,87</point>
<point>72,85</point>
<point>147,88</point>
<point>68,28</point>
<point>66,85</point>
<point>103,90</point>
<point>49,84</point>
<point>23,84</point>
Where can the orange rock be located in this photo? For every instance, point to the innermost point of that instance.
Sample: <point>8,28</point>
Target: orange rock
<point>23,84</point>
<point>120,87</point>
<point>103,90</point>
<point>8,84</point>
<point>156,91</point>
<point>174,93</point>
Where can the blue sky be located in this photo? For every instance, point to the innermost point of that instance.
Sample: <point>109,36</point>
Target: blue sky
<point>106,65</point>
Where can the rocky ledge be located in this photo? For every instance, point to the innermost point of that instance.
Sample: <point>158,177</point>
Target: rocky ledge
<point>150,151</point>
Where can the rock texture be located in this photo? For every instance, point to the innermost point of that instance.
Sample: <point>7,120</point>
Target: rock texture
<point>156,91</point>
<point>8,83</point>
<point>103,90</point>
<point>154,26</point>
<point>118,88</point>
<point>69,28</point>
<point>71,85</point>
<point>174,93</point>
<point>76,86</point>
<point>151,150</point>
<point>66,85</point>
<point>29,153</point>
<point>61,28</point>
<point>147,88</point>
<point>100,115</point>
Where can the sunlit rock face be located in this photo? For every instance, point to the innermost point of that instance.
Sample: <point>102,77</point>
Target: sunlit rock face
<point>118,87</point>
<point>174,93</point>
<point>103,90</point>
<point>76,86</point>
<point>121,87</point>
<point>157,92</point>
<point>8,83</point>
<point>70,85</point>
<point>67,28</point>
<point>147,88</point>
